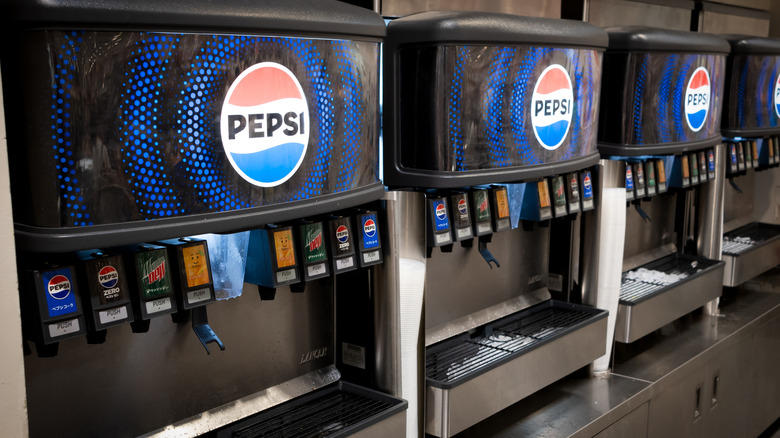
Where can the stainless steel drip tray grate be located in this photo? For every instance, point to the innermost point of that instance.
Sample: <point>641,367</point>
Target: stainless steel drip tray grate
<point>663,290</point>
<point>748,237</point>
<point>455,360</point>
<point>338,410</point>
<point>472,376</point>
<point>661,275</point>
<point>750,251</point>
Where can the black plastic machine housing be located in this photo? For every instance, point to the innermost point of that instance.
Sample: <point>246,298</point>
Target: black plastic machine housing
<point>116,133</point>
<point>750,102</point>
<point>459,90</point>
<point>649,74</point>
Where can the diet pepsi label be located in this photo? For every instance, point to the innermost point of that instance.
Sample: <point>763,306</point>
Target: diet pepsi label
<point>697,99</point>
<point>370,231</point>
<point>441,221</point>
<point>552,105</point>
<point>60,294</point>
<point>264,124</point>
<point>776,100</point>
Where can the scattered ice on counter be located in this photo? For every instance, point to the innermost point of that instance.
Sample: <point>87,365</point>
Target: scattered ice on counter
<point>740,239</point>
<point>654,277</point>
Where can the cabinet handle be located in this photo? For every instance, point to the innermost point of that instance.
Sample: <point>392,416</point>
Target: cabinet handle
<point>697,406</point>
<point>715,381</point>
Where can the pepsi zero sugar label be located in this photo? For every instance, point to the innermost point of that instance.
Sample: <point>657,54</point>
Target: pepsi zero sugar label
<point>573,192</point>
<point>184,124</point>
<point>703,174</point>
<point>314,255</point>
<point>661,90</point>
<point>342,245</point>
<point>370,245</point>
<point>191,271</point>
<point>152,287</point>
<point>587,191</point>
<point>639,180</point>
<point>480,212</point>
<point>59,313</point>
<point>733,160</point>
<point>107,300</point>
<point>438,222</point>
<point>460,215</point>
<point>478,91</point>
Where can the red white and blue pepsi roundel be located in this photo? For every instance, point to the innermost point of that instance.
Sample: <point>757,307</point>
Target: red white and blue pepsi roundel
<point>697,99</point>
<point>265,124</point>
<point>776,101</point>
<point>552,106</point>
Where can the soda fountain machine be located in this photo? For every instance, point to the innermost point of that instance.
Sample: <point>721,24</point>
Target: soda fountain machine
<point>160,152</point>
<point>489,128</point>
<point>659,131</point>
<point>751,124</point>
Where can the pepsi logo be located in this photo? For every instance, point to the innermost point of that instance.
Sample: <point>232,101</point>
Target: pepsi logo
<point>777,96</point>
<point>463,207</point>
<point>711,160</point>
<point>586,183</point>
<point>697,99</point>
<point>265,124</point>
<point>59,287</point>
<point>369,227</point>
<point>552,105</point>
<point>108,277</point>
<point>441,213</point>
<point>342,234</point>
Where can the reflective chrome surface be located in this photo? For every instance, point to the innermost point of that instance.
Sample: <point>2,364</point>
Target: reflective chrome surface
<point>748,264</point>
<point>637,320</point>
<point>710,215</point>
<point>451,411</point>
<point>738,207</point>
<point>462,291</point>
<point>392,427</point>
<point>249,405</point>
<point>724,23</point>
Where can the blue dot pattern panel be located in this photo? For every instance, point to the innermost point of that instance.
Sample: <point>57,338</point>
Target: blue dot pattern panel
<point>473,109</point>
<point>752,89</point>
<point>653,103</point>
<point>135,123</point>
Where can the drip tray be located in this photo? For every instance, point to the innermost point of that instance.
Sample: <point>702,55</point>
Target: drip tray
<point>339,410</point>
<point>749,251</point>
<point>473,376</point>
<point>663,290</point>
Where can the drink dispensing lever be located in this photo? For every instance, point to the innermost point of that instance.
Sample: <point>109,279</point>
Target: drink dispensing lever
<point>194,284</point>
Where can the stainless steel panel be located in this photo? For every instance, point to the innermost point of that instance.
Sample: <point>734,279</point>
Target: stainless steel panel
<point>406,239</point>
<point>751,263</point>
<point>763,5</point>
<point>673,408</point>
<point>451,411</point>
<point>642,236</point>
<point>738,207</point>
<point>716,22</point>
<point>764,378</point>
<point>165,376</point>
<point>710,215</point>
<point>462,290</point>
<point>539,8</point>
<point>249,405</point>
<point>605,13</point>
<point>636,321</point>
<point>392,427</point>
<point>634,425</point>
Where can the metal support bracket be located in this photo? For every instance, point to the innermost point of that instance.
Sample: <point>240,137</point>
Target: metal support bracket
<point>486,253</point>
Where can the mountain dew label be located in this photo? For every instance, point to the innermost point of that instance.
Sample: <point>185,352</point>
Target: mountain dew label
<point>153,268</point>
<point>313,248</point>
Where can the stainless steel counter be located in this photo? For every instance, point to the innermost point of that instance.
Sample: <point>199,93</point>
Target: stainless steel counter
<point>584,406</point>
